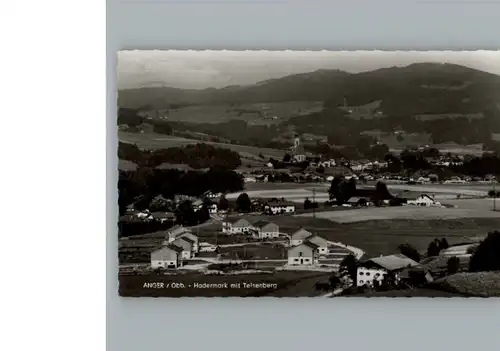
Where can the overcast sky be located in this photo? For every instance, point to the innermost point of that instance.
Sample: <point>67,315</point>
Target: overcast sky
<point>203,69</point>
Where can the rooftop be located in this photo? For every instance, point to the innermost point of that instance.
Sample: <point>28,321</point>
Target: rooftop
<point>394,262</point>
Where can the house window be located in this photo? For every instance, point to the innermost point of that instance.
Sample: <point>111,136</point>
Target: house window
<point>361,273</point>
<point>361,282</point>
<point>296,260</point>
<point>300,254</point>
<point>368,273</point>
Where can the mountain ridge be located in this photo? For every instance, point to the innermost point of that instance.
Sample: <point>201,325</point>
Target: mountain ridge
<point>427,84</point>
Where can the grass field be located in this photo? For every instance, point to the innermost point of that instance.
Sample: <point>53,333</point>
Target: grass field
<point>405,212</point>
<point>482,284</point>
<point>158,141</point>
<point>258,113</point>
<point>298,192</point>
<point>289,283</point>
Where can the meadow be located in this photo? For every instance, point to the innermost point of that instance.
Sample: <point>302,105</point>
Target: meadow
<point>405,212</point>
<point>155,141</point>
<point>253,113</point>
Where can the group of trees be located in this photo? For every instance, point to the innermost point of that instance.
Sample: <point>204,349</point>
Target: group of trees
<point>487,254</point>
<point>436,246</point>
<point>341,190</point>
<point>195,155</point>
<point>185,214</point>
<point>148,183</point>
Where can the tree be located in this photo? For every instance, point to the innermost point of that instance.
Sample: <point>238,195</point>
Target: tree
<point>185,214</point>
<point>364,144</point>
<point>243,203</point>
<point>334,187</point>
<point>334,281</point>
<point>409,251</point>
<point>433,249</point>
<point>443,244</point>
<point>223,203</point>
<point>381,192</point>
<point>400,138</point>
<point>453,265</point>
<point>287,158</point>
<point>487,255</point>
<point>307,204</point>
<point>349,267</point>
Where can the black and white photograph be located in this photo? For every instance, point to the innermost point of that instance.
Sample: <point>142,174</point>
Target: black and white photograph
<point>308,173</point>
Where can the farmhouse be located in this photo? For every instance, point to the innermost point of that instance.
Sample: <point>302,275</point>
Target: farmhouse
<point>303,254</point>
<point>166,257</point>
<point>236,226</point>
<point>320,242</point>
<point>379,267</point>
<point>187,246</point>
<point>366,276</point>
<point>174,232</point>
<point>423,200</point>
<point>267,229</point>
<point>279,207</point>
<point>193,238</point>
<point>299,236</point>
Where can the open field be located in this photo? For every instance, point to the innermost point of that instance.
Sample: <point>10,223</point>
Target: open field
<point>299,192</point>
<point>288,283</point>
<point>253,113</point>
<point>405,212</point>
<point>481,284</point>
<point>159,141</point>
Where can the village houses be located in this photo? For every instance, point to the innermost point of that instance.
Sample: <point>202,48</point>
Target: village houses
<point>379,267</point>
<point>236,226</point>
<point>299,236</point>
<point>303,254</point>
<point>187,247</point>
<point>193,238</point>
<point>175,232</point>
<point>280,207</point>
<point>320,242</point>
<point>266,229</point>
<point>424,200</point>
<point>168,256</point>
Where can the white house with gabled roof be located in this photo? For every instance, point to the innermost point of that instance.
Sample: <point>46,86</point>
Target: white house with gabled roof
<point>299,237</point>
<point>168,256</point>
<point>237,226</point>
<point>320,242</point>
<point>424,200</point>
<point>266,229</point>
<point>303,254</point>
